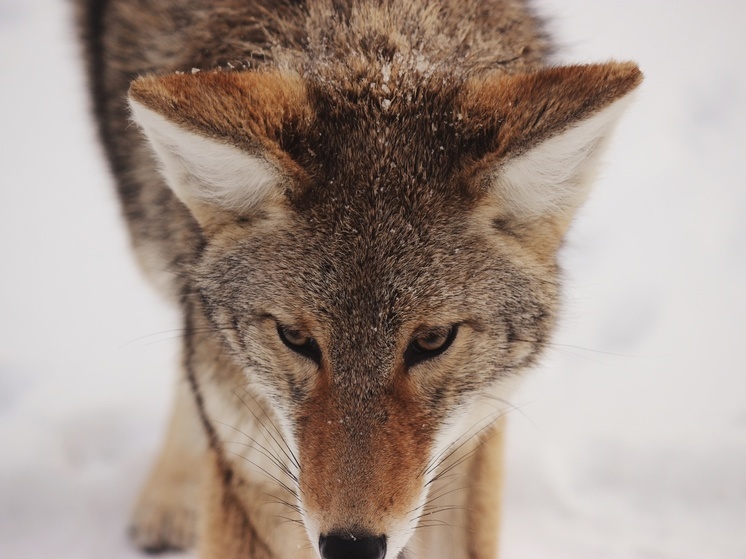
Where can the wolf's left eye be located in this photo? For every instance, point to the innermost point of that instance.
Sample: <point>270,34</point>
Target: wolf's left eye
<point>300,342</point>
<point>429,344</point>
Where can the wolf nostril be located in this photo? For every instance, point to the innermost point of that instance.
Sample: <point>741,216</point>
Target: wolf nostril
<point>352,547</point>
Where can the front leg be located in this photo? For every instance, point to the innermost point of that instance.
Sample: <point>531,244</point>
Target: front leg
<point>226,531</point>
<point>165,516</point>
<point>485,495</point>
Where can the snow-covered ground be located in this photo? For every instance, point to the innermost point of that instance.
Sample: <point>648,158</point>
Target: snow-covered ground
<point>630,442</point>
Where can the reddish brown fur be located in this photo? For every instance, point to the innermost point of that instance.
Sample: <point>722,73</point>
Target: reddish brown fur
<point>514,112</point>
<point>251,110</point>
<point>388,456</point>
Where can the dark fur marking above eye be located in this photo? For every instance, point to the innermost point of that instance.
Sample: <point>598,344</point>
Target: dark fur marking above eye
<point>504,226</point>
<point>300,344</point>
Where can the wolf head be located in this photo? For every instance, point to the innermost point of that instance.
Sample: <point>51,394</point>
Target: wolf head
<point>379,255</point>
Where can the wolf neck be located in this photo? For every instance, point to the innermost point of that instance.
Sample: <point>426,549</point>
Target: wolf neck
<point>422,34</point>
<point>425,36</point>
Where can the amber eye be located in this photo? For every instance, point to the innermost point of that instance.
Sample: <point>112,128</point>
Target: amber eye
<point>300,342</point>
<point>429,344</point>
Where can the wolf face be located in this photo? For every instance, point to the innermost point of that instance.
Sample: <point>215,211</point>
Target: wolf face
<point>379,261</point>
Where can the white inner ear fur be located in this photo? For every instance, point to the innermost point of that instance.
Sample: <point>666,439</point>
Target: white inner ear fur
<point>202,170</point>
<point>554,177</point>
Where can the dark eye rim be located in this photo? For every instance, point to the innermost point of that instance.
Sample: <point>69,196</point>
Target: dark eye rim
<point>310,349</point>
<point>415,354</point>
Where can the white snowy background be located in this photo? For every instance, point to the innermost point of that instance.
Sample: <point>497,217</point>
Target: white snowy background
<point>630,441</point>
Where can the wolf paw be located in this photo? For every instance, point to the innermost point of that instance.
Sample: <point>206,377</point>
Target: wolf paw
<point>165,518</point>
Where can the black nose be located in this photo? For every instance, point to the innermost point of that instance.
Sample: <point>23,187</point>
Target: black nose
<point>349,546</point>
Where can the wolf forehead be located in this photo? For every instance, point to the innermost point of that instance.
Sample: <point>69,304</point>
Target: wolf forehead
<point>386,179</point>
<point>381,221</point>
<point>374,269</point>
<point>370,143</point>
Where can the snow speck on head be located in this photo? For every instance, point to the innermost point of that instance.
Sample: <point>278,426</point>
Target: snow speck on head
<point>386,72</point>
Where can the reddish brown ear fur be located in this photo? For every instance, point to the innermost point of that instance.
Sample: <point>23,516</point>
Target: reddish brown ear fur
<point>251,110</point>
<point>513,112</point>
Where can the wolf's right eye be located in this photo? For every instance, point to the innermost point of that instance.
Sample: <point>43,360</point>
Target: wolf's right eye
<point>429,345</point>
<point>300,343</point>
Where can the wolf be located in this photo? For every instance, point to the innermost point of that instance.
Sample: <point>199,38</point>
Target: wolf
<point>357,205</point>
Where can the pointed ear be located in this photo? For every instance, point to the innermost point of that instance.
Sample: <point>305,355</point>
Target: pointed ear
<point>544,132</point>
<point>219,136</point>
